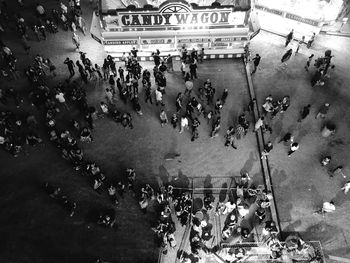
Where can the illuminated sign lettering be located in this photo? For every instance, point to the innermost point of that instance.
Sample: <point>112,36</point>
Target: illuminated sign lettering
<point>166,17</point>
<point>121,42</point>
<point>288,15</point>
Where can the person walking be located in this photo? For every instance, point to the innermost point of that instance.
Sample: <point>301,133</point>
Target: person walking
<point>259,123</point>
<point>256,62</point>
<point>323,111</point>
<point>76,41</point>
<point>293,148</point>
<point>304,113</point>
<point>286,57</point>
<point>178,102</point>
<point>224,96</point>
<point>308,62</point>
<point>216,128</point>
<point>327,207</point>
<point>163,118</point>
<point>289,37</point>
<point>71,66</point>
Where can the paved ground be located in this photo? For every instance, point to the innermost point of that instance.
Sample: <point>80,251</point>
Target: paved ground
<point>37,230</point>
<point>300,183</point>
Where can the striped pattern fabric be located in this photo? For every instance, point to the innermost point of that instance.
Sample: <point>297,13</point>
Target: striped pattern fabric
<point>206,57</point>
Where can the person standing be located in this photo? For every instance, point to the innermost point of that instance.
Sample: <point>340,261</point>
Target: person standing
<point>61,99</point>
<point>230,137</point>
<point>289,37</point>
<point>330,72</point>
<point>184,123</point>
<point>189,87</point>
<point>163,118</point>
<point>159,97</point>
<point>121,73</point>
<point>195,125</point>
<point>346,187</point>
<point>169,63</point>
<point>42,31</point>
<point>308,62</point>
<point>134,52</point>
<point>148,93</point>
<point>256,62</point>
<point>293,148</point>
<point>109,96</point>
<point>36,32</point>
<point>174,120</point>
<point>304,113</point>
<point>259,123</point>
<point>71,66</point>
<point>300,42</point>
<point>193,70</point>
<point>311,40</point>
<point>323,111</point>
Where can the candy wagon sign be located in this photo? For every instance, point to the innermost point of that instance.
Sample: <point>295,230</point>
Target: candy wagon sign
<point>180,15</point>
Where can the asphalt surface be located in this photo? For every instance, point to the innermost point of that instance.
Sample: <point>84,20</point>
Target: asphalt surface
<point>36,229</point>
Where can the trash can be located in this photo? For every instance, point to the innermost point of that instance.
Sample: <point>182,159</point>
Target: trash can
<point>328,130</point>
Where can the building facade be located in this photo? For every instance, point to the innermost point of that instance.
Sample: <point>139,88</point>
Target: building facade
<point>219,29</point>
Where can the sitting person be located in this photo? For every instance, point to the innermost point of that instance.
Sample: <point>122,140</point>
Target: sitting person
<point>104,108</point>
<point>33,139</point>
<point>85,135</point>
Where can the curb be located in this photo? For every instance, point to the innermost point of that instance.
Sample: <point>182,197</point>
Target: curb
<point>334,33</point>
<point>266,173</point>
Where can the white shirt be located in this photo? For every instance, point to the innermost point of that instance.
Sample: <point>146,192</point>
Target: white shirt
<point>159,95</point>
<point>60,97</point>
<point>184,122</point>
<point>104,108</point>
<point>294,148</point>
<point>328,207</point>
<point>258,124</point>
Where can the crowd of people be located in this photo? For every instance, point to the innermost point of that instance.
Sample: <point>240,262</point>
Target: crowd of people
<point>21,129</point>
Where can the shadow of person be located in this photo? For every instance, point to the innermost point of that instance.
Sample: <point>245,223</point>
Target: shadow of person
<point>223,193</point>
<point>208,186</point>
